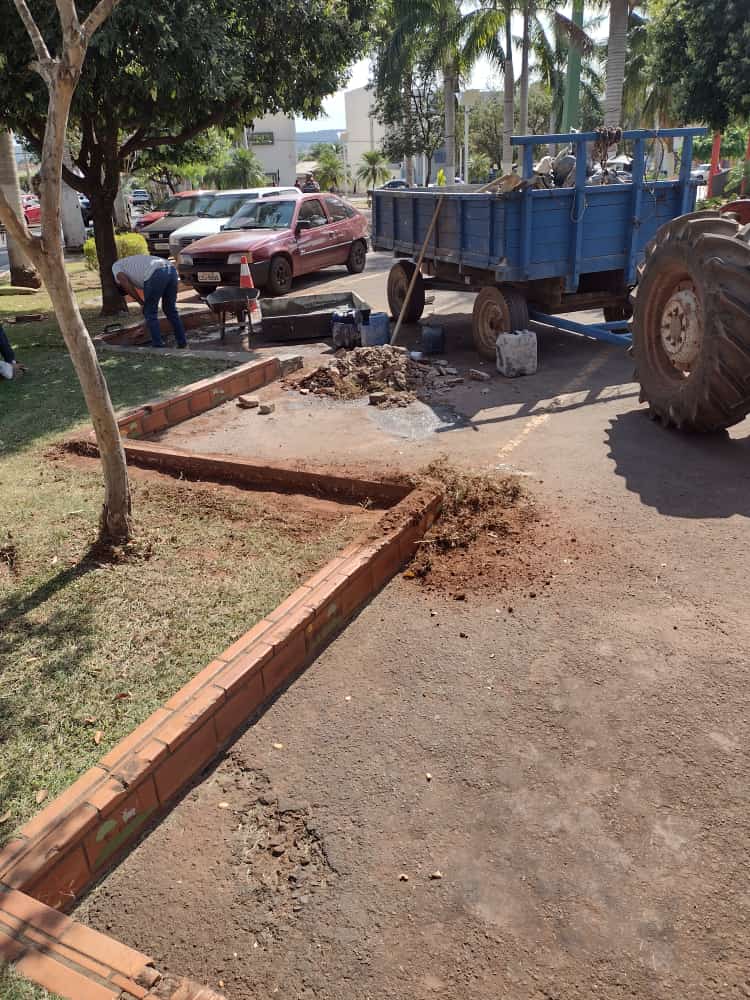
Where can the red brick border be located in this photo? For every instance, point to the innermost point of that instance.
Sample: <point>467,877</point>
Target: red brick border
<point>72,842</point>
<point>203,395</point>
<point>137,333</point>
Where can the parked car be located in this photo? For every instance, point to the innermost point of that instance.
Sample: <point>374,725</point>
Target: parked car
<point>32,210</point>
<point>86,214</point>
<point>218,213</point>
<point>186,209</point>
<point>282,238</point>
<point>394,184</point>
<point>158,213</point>
<point>140,196</point>
<point>701,173</point>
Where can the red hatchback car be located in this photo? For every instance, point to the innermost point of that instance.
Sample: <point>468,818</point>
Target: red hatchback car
<point>282,238</point>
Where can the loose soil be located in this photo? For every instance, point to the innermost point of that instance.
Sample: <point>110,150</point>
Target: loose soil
<point>490,536</point>
<point>387,374</point>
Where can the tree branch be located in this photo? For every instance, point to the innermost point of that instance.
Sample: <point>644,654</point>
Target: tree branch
<point>97,17</point>
<point>19,230</point>
<point>135,143</point>
<point>40,46</point>
<point>68,14</point>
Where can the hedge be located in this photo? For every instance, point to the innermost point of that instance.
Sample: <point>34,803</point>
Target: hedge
<point>128,245</point>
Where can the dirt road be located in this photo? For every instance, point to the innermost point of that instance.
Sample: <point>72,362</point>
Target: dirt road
<point>586,740</point>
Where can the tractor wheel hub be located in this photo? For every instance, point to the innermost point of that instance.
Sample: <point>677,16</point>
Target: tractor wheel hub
<point>682,328</point>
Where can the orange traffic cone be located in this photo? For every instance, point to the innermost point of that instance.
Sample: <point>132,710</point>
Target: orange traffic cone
<point>246,278</point>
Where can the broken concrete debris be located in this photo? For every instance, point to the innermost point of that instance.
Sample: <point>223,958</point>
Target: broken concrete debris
<point>247,402</point>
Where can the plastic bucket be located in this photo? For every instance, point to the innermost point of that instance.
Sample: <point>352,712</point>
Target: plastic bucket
<point>377,332</point>
<point>433,340</point>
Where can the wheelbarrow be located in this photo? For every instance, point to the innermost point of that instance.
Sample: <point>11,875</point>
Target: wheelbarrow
<point>239,302</point>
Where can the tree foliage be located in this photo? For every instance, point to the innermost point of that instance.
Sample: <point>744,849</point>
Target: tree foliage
<point>373,170</point>
<point>157,78</point>
<point>167,165</point>
<point>701,51</point>
<point>331,172</point>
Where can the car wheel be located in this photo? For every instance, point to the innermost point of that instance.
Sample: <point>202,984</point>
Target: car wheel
<point>279,276</point>
<point>357,257</point>
<point>205,290</point>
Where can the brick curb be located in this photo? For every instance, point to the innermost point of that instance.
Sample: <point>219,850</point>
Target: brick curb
<point>72,842</point>
<point>196,398</point>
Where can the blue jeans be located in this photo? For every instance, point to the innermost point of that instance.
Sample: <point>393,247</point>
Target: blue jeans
<point>6,351</point>
<point>162,285</point>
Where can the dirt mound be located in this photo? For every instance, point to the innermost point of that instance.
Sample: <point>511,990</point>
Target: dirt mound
<point>387,374</point>
<point>490,536</point>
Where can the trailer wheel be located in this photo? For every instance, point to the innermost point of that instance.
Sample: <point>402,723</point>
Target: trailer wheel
<point>399,277</point>
<point>497,311</point>
<point>691,328</point>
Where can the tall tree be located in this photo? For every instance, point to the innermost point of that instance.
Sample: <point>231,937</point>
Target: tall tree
<point>373,169</point>
<point>22,271</point>
<point>59,66</point>
<point>160,79</point>
<point>448,40</point>
<point>701,52</point>
<point>617,44</point>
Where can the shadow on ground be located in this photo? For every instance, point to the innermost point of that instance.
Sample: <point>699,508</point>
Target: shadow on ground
<point>682,475</point>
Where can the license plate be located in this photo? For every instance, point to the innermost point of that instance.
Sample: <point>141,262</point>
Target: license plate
<point>206,276</point>
<point>161,246</point>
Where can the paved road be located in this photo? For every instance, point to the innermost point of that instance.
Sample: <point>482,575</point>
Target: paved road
<point>588,739</point>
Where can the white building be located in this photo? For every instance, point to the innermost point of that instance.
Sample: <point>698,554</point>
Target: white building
<point>363,131</point>
<point>273,139</point>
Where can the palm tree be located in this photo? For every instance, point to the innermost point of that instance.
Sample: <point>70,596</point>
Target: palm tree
<point>22,271</point>
<point>551,44</point>
<point>616,49</point>
<point>373,169</point>
<point>446,40</point>
<point>330,172</point>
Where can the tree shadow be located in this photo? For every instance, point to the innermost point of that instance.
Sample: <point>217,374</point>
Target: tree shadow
<point>682,475</point>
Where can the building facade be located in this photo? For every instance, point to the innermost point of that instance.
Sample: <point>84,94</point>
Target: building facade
<point>363,132</point>
<point>273,139</point>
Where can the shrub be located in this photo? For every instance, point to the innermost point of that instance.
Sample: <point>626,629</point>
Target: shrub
<point>128,245</point>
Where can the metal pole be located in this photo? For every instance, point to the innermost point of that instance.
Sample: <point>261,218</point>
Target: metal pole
<point>466,143</point>
<point>573,77</point>
<point>413,281</point>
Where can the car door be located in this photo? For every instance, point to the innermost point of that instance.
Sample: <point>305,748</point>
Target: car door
<point>315,239</point>
<point>341,229</point>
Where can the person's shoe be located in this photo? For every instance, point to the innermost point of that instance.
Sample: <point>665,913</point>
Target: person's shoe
<point>182,346</point>
<point>158,347</point>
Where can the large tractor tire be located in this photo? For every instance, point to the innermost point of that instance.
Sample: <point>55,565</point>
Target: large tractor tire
<point>691,325</point>
<point>399,277</point>
<point>497,310</point>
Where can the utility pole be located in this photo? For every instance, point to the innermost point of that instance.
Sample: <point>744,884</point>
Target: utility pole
<point>573,77</point>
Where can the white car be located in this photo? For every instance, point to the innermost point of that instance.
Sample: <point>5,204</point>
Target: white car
<point>701,173</point>
<point>217,213</point>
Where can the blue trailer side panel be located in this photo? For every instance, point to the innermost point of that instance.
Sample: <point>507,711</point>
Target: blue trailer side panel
<point>531,234</point>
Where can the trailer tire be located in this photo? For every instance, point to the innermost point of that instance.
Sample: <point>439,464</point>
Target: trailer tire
<point>497,310</point>
<point>399,277</point>
<point>618,314</point>
<point>691,326</point>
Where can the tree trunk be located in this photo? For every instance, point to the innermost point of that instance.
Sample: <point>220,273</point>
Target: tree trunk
<point>61,76</point>
<point>116,525</point>
<point>428,170</point>
<point>74,231</point>
<point>409,130</point>
<point>616,48</point>
<point>102,206</point>
<point>508,88</point>
<point>523,124</point>
<point>22,271</point>
<point>449,98</point>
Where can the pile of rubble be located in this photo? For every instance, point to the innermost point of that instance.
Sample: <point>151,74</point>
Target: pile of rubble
<point>388,375</point>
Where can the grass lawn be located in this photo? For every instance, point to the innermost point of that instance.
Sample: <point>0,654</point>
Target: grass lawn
<point>13,987</point>
<point>87,651</point>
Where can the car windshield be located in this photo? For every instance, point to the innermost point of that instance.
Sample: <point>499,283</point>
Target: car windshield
<point>169,204</point>
<point>263,215</point>
<point>225,205</point>
<point>192,205</point>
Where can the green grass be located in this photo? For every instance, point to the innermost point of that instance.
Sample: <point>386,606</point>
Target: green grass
<point>13,987</point>
<point>87,649</point>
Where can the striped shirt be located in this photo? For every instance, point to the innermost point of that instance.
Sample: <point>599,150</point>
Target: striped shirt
<point>139,267</point>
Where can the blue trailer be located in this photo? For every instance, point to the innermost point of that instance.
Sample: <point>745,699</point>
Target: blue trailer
<point>534,253</point>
